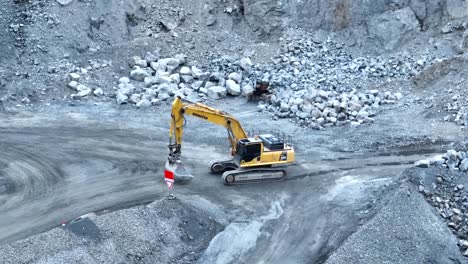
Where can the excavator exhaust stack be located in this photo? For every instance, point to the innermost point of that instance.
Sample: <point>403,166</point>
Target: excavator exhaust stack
<point>180,171</point>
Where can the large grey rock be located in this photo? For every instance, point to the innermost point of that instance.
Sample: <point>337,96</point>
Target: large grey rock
<point>151,56</point>
<point>245,64</point>
<point>137,61</point>
<point>186,78</point>
<point>181,58</point>
<point>74,76</point>
<point>126,88</point>
<point>463,165</point>
<point>390,29</point>
<point>144,103</point>
<point>235,77</point>
<point>168,64</point>
<point>73,85</point>
<point>164,79</point>
<point>164,88</point>
<point>196,72</point>
<point>185,70</point>
<point>81,94</point>
<point>247,89</point>
<point>64,2</point>
<point>134,98</point>
<point>156,101</point>
<point>422,163</point>
<point>124,79</point>
<point>139,74</point>
<point>121,98</point>
<point>98,92</point>
<point>196,85</point>
<point>217,92</point>
<point>163,96</point>
<point>150,81</point>
<point>175,78</point>
<point>303,115</point>
<point>233,88</point>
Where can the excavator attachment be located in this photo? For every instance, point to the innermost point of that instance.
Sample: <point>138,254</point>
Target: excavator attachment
<point>180,172</point>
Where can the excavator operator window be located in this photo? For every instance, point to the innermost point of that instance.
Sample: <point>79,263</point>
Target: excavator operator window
<point>248,152</point>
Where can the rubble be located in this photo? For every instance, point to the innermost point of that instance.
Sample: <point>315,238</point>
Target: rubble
<point>448,195</point>
<point>145,232</point>
<point>454,160</point>
<point>307,81</point>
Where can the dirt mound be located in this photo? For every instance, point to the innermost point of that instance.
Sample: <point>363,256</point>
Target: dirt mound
<point>165,231</point>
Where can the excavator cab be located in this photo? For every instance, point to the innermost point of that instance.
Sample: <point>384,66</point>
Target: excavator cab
<point>248,149</point>
<point>263,150</point>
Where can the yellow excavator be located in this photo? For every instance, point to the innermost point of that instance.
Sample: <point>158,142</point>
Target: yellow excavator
<point>254,159</point>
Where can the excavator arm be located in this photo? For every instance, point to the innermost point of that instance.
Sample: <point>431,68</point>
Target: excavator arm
<point>182,107</point>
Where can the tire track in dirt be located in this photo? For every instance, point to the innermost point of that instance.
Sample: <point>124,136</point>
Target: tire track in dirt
<point>25,176</point>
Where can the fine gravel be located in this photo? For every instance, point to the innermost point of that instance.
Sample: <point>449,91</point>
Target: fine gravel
<point>406,230</point>
<point>143,234</point>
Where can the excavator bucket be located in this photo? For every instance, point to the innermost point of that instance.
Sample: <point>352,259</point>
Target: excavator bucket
<point>181,173</point>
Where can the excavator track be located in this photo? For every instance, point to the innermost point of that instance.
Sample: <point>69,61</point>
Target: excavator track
<point>220,166</point>
<point>256,175</point>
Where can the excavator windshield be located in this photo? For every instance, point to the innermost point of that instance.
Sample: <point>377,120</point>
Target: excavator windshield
<point>248,149</point>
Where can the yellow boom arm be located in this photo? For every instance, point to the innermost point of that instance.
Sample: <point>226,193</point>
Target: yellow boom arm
<point>181,107</point>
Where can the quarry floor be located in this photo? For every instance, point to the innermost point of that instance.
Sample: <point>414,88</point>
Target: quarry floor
<point>61,162</point>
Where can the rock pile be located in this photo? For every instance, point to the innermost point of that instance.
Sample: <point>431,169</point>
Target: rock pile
<point>452,159</point>
<point>326,65</point>
<point>154,79</point>
<point>314,83</point>
<point>450,198</point>
<point>318,108</point>
<point>81,89</point>
<point>458,110</point>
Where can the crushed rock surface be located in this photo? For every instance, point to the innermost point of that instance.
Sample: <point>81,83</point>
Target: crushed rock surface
<point>406,230</point>
<point>165,231</point>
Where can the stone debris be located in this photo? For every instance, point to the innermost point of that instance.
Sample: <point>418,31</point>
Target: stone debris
<point>73,85</point>
<point>64,2</point>
<point>98,92</point>
<point>450,199</point>
<point>422,163</point>
<point>458,110</point>
<point>452,159</point>
<point>314,85</point>
<point>139,74</point>
<point>74,76</point>
<point>233,88</point>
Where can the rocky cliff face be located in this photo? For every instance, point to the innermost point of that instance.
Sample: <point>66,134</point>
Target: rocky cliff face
<point>385,22</point>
